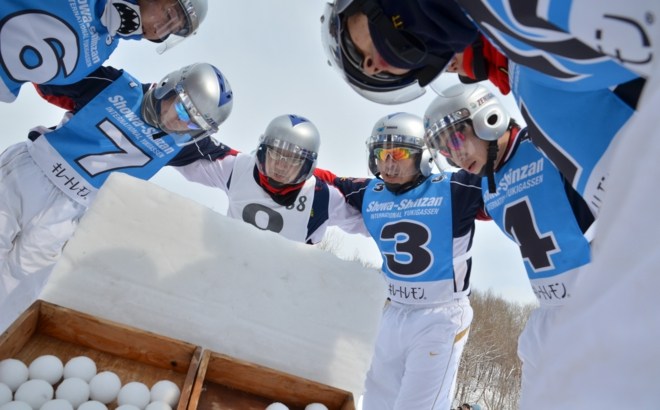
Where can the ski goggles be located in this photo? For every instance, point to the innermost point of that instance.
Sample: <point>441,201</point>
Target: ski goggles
<point>451,141</point>
<point>396,153</point>
<point>184,116</point>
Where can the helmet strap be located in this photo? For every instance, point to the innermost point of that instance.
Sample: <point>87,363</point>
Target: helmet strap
<point>490,166</point>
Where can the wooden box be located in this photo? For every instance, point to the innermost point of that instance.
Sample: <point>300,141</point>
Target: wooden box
<point>226,383</point>
<point>133,354</point>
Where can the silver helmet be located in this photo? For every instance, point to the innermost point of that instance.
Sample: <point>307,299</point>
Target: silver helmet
<point>288,150</point>
<point>457,107</point>
<point>198,94</point>
<point>399,134</point>
<point>195,11</point>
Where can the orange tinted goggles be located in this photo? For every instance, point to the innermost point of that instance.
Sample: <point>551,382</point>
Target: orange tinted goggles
<point>396,154</point>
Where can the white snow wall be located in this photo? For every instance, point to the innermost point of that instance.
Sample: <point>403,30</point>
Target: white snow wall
<point>149,258</point>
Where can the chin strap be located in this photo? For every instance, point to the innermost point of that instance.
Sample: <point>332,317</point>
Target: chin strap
<point>490,166</point>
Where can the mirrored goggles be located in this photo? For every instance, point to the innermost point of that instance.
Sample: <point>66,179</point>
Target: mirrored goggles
<point>184,116</point>
<point>396,153</point>
<point>450,142</point>
<point>276,155</point>
<point>447,139</point>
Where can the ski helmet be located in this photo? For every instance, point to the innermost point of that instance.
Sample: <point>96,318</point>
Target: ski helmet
<point>421,46</point>
<point>400,135</point>
<point>460,106</point>
<point>200,94</point>
<point>288,150</point>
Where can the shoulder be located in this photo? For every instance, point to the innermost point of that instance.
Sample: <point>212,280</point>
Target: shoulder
<point>462,179</point>
<point>75,96</point>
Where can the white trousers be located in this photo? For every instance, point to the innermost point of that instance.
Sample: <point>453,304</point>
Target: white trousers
<point>531,348</point>
<point>604,351</point>
<point>416,356</point>
<point>36,220</point>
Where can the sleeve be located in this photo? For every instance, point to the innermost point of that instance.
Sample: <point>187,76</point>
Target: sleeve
<point>352,189</point>
<point>324,175</point>
<point>215,174</point>
<point>73,97</point>
<point>344,215</point>
<point>206,149</point>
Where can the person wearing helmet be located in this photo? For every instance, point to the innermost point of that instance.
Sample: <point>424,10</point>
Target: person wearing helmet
<point>275,189</point>
<point>581,70</point>
<point>388,50</point>
<point>423,224</point>
<point>115,124</point>
<point>561,104</point>
<point>531,202</point>
<point>50,42</point>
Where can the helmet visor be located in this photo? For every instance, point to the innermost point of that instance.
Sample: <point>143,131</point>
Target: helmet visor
<point>181,20</point>
<point>343,56</point>
<point>394,156</point>
<point>172,20</point>
<point>450,140</point>
<point>174,115</point>
<point>286,163</point>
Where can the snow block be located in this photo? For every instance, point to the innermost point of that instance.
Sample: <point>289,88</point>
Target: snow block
<point>149,258</point>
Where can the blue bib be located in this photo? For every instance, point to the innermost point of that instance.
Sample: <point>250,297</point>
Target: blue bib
<point>51,42</point>
<point>413,232</point>
<point>107,135</point>
<point>531,208</point>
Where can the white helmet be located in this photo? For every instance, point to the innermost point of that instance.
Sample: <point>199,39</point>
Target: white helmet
<point>453,111</point>
<point>201,96</point>
<point>398,131</point>
<point>399,47</point>
<point>288,150</point>
<point>452,108</point>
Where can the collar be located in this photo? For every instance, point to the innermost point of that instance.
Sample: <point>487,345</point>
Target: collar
<point>282,195</point>
<point>398,189</point>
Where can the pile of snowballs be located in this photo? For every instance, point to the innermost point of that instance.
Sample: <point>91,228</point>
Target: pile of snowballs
<point>79,387</point>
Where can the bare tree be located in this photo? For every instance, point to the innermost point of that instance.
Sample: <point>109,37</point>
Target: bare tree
<point>490,370</point>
